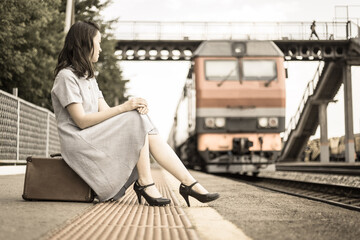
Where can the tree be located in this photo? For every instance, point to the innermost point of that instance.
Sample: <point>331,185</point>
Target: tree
<point>31,37</point>
<point>30,32</point>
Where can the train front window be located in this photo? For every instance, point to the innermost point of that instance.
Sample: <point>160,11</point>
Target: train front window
<point>220,70</point>
<point>259,69</point>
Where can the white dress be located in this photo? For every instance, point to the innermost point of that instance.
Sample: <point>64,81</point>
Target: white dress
<point>104,155</point>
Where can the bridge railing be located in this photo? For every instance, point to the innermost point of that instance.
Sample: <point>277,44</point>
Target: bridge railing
<point>309,91</point>
<point>25,130</point>
<point>147,30</point>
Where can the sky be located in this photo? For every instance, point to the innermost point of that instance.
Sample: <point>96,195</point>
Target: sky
<point>161,82</point>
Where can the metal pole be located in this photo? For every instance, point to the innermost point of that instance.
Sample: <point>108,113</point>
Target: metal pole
<point>18,132</point>
<point>47,135</point>
<point>72,13</point>
<point>159,30</point>
<point>205,32</point>
<point>133,29</point>
<point>182,30</point>
<point>324,142</point>
<point>349,133</point>
<point>327,31</point>
<point>69,5</point>
<point>15,92</point>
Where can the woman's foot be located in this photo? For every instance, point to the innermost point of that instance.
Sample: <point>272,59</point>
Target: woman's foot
<point>197,187</point>
<point>152,201</point>
<point>152,191</point>
<point>188,190</point>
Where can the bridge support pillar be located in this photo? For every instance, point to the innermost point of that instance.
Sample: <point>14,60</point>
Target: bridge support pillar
<point>324,141</point>
<point>349,132</point>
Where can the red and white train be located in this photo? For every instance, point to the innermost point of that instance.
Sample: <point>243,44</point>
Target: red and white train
<point>232,109</point>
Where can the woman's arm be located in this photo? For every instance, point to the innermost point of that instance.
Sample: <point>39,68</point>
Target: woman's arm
<point>84,120</point>
<point>103,105</point>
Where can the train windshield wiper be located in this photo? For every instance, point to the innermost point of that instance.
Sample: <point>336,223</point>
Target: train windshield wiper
<point>269,81</point>
<point>226,77</point>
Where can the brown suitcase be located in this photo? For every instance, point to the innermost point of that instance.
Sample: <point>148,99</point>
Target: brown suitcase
<point>52,179</point>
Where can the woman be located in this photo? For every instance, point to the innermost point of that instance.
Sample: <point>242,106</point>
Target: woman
<point>109,146</point>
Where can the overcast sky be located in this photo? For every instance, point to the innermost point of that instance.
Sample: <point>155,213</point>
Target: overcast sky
<point>161,82</point>
<point>230,10</point>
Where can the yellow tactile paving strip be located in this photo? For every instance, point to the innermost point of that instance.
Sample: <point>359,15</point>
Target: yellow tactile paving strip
<point>126,219</point>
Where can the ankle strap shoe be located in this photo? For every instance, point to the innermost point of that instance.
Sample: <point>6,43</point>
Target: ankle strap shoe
<point>187,191</point>
<point>140,191</point>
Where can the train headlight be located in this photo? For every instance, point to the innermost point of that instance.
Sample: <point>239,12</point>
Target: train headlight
<point>220,122</point>
<point>210,122</point>
<point>263,122</point>
<point>273,122</point>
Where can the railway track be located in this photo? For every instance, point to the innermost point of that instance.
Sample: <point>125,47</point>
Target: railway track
<point>342,196</point>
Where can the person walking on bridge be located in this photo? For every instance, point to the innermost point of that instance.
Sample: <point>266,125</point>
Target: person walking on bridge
<point>109,146</point>
<point>313,31</point>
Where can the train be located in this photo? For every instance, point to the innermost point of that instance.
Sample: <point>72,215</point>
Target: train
<point>311,152</point>
<point>232,108</point>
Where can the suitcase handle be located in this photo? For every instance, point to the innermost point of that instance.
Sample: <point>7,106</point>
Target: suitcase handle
<point>55,155</point>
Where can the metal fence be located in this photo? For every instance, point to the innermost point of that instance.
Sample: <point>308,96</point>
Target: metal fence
<point>25,130</point>
<point>147,30</point>
<point>308,92</point>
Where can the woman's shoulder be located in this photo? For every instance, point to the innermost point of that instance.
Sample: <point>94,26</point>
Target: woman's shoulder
<point>66,72</point>
<point>65,78</point>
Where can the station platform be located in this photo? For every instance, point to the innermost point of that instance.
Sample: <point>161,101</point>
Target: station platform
<point>242,212</point>
<point>123,219</point>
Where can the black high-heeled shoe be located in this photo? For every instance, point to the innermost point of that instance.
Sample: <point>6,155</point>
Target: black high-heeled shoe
<point>186,191</point>
<point>140,191</point>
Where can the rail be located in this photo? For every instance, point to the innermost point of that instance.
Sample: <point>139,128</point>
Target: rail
<point>309,91</point>
<point>25,130</point>
<point>150,30</point>
<point>338,195</point>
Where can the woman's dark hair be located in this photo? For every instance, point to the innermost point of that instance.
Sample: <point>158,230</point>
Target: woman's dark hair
<point>78,49</point>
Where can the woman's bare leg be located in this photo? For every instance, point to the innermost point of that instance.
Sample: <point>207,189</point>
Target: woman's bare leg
<point>167,158</point>
<point>143,167</point>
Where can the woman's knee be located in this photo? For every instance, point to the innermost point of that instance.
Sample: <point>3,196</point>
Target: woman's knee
<point>134,116</point>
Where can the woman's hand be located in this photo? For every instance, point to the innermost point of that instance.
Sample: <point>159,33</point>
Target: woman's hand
<point>143,110</point>
<point>139,104</point>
